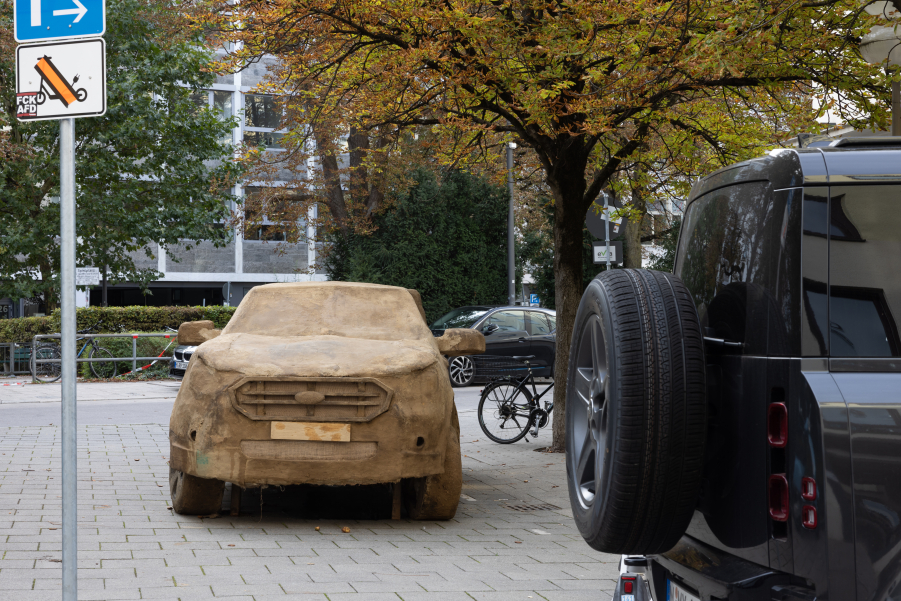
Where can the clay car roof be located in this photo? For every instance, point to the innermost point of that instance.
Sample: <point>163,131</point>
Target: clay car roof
<point>345,309</point>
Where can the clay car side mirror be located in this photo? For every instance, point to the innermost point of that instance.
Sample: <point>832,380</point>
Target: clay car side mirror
<point>461,341</point>
<point>193,333</point>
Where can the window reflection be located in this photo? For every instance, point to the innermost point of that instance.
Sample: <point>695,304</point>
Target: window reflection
<point>864,263</point>
<point>738,256</point>
<point>260,111</point>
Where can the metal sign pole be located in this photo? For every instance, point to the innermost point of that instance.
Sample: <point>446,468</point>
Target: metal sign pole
<point>67,331</point>
<point>511,277</point>
<point>607,227</point>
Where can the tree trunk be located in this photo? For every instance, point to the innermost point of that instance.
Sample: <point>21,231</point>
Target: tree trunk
<point>358,147</point>
<point>334,194</point>
<point>632,250</point>
<point>569,219</point>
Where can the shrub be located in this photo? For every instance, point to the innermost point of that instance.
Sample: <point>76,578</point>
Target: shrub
<point>112,320</point>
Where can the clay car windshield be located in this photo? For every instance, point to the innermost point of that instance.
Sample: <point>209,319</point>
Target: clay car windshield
<point>330,309</point>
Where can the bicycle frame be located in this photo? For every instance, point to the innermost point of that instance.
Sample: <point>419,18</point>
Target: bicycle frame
<point>530,379</point>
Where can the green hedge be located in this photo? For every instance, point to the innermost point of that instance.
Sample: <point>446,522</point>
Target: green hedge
<point>114,319</point>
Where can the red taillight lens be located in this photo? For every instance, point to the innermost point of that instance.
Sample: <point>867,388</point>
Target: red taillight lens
<point>778,497</point>
<point>808,489</point>
<point>809,516</point>
<point>628,585</point>
<point>777,424</point>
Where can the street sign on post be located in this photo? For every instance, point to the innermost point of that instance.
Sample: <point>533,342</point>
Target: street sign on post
<point>60,80</point>
<point>87,276</point>
<point>64,80</point>
<point>39,20</point>
<point>533,300</point>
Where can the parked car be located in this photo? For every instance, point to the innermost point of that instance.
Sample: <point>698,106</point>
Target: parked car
<point>180,358</point>
<point>322,383</point>
<point>737,425</point>
<point>508,331</point>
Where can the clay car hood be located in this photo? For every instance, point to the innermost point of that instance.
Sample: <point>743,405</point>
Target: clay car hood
<point>327,356</point>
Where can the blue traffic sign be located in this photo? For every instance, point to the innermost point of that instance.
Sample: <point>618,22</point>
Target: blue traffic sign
<point>38,20</point>
<point>533,299</point>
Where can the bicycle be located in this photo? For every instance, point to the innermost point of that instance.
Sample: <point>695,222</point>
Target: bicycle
<point>509,406</point>
<point>51,372</point>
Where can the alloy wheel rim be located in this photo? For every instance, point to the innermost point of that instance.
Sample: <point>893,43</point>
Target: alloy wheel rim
<point>461,370</point>
<point>589,413</point>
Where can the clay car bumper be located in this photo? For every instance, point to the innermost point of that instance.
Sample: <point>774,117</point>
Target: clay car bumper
<point>223,434</point>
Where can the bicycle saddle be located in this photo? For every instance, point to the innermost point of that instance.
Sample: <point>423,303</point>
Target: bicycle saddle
<point>524,358</point>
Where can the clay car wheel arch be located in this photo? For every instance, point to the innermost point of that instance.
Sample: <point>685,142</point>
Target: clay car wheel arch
<point>195,496</point>
<point>436,497</point>
<point>635,412</point>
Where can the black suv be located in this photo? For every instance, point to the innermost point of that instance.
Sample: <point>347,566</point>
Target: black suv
<point>737,425</point>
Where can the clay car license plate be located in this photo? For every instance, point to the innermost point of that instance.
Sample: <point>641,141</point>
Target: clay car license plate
<point>181,365</point>
<point>675,592</point>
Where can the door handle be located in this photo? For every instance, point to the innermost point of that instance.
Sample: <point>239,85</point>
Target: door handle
<point>522,340</point>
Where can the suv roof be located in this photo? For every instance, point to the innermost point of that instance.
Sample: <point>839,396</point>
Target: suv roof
<point>848,160</point>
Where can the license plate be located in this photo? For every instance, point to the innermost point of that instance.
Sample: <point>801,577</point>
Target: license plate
<point>181,365</point>
<point>675,592</point>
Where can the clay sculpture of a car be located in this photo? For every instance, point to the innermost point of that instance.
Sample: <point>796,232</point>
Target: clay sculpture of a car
<point>323,383</point>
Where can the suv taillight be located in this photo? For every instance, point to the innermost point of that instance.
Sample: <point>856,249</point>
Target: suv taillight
<point>778,497</point>
<point>777,425</point>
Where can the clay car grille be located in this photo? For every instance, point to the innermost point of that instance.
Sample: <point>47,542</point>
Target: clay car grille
<point>311,399</point>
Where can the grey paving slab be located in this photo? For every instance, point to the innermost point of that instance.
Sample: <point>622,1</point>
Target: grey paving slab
<point>133,547</point>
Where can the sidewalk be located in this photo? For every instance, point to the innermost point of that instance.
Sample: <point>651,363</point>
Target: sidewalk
<point>513,536</point>
<point>26,392</point>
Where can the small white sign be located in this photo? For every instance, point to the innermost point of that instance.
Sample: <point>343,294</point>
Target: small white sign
<point>61,80</point>
<point>87,276</point>
<point>600,254</point>
<point>599,250</point>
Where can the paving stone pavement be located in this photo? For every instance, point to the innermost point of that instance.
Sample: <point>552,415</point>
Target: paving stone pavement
<point>132,547</point>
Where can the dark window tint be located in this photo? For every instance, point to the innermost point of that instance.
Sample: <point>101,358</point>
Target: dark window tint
<point>840,227</point>
<point>739,256</point>
<point>508,321</point>
<point>815,273</point>
<point>552,319</point>
<point>864,268</point>
<point>538,325</point>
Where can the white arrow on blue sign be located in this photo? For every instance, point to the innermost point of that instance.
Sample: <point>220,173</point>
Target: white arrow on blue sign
<point>38,20</point>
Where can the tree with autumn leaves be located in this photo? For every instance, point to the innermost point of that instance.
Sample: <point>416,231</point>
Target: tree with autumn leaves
<point>602,94</point>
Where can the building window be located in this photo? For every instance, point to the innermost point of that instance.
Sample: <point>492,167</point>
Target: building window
<point>262,117</point>
<point>218,100</point>
<point>271,215</point>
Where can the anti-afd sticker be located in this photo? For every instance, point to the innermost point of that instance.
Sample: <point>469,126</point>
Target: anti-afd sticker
<point>61,80</point>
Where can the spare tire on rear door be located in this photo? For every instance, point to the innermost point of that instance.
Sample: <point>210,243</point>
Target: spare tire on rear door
<point>636,414</point>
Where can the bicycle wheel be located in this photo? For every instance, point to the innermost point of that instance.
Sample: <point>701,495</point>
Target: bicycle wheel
<point>46,372</point>
<point>505,413</point>
<point>102,370</point>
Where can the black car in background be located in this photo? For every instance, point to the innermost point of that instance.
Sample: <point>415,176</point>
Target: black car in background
<point>509,331</point>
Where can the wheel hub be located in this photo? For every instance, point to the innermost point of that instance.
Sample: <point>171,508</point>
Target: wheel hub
<point>597,400</point>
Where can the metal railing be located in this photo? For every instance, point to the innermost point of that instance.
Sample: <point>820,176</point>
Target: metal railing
<point>15,358</point>
<point>84,339</point>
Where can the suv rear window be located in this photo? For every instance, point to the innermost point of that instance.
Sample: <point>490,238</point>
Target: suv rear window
<point>739,255</point>
<point>865,271</point>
